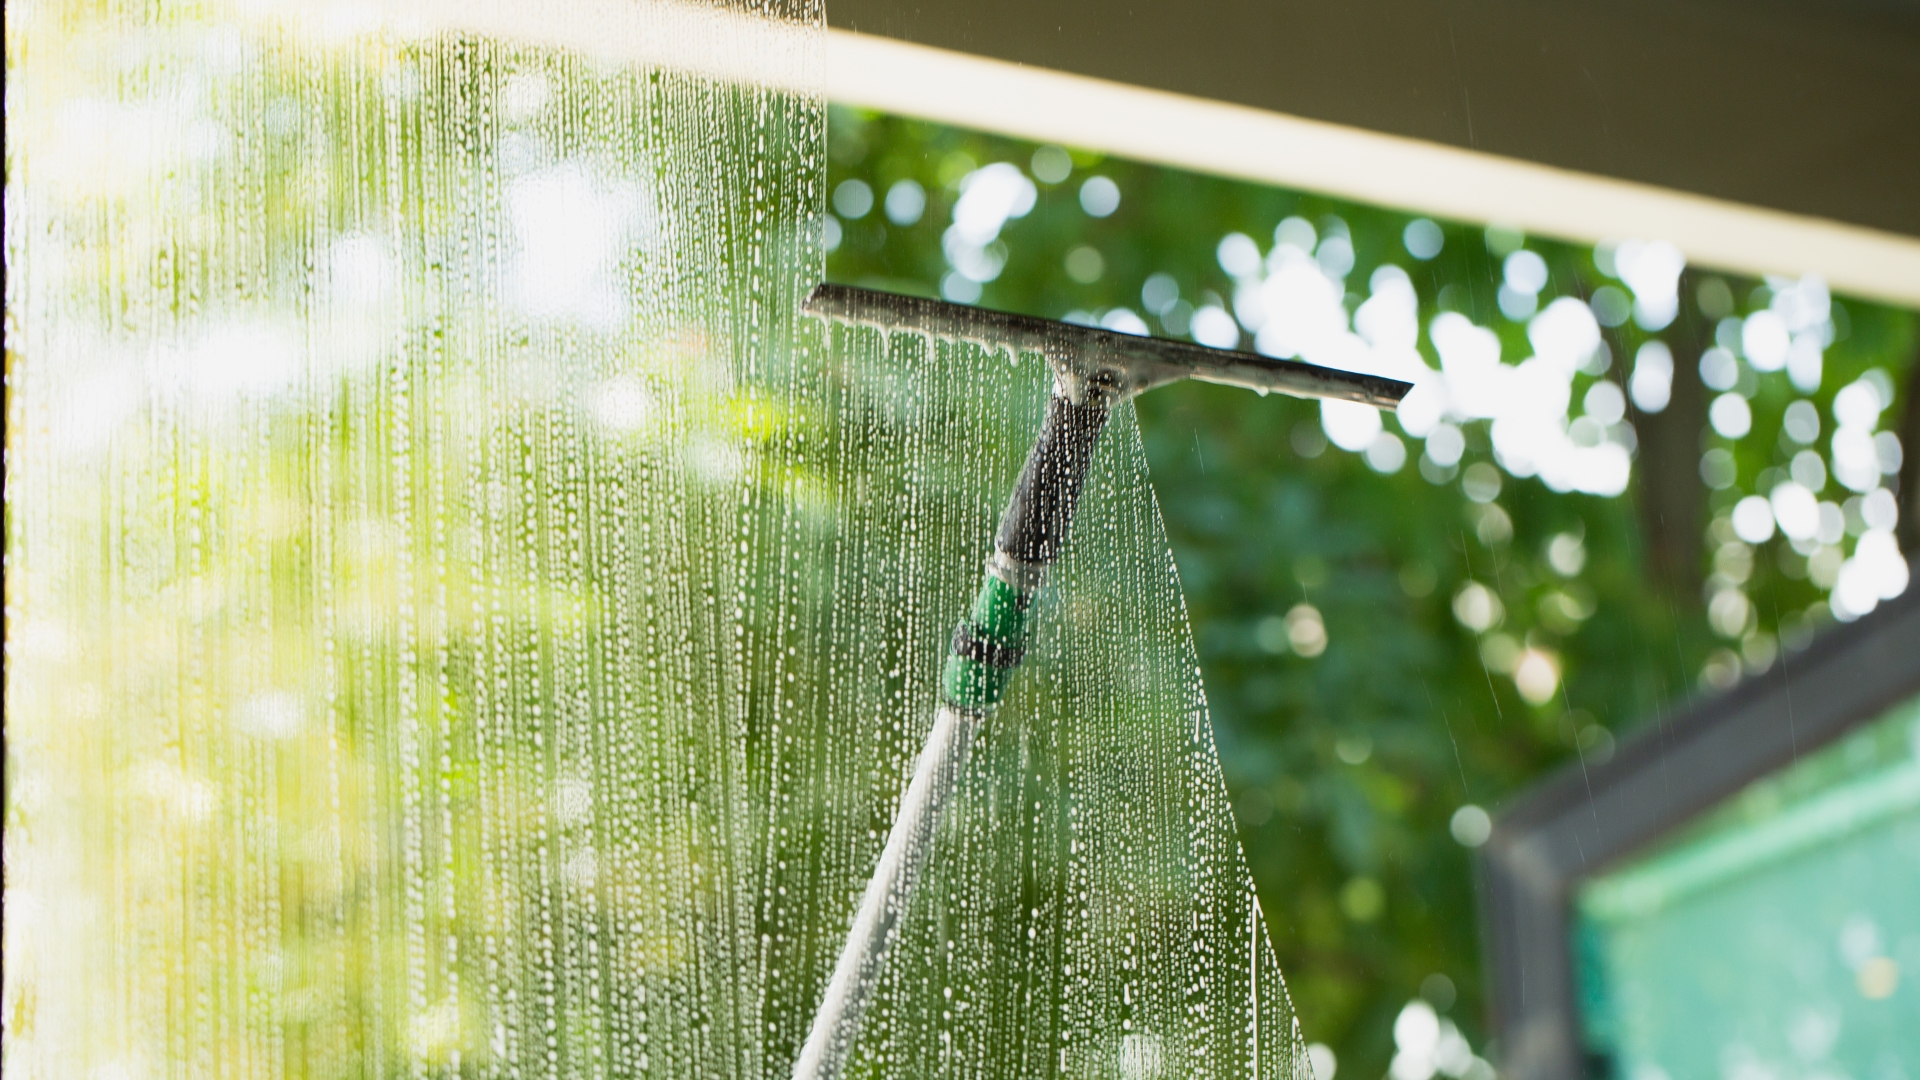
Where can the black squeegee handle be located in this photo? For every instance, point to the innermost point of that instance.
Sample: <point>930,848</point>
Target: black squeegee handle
<point>1034,527</point>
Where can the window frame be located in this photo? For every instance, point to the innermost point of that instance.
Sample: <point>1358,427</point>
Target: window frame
<point>1587,818</point>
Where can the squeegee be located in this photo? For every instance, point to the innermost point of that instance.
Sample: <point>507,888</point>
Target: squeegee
<point>1094,370</point>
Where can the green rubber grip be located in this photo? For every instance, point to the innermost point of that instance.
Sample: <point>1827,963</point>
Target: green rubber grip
<point>987,648</point>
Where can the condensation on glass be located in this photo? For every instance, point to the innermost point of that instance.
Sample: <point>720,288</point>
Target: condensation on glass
<point>463,622</point>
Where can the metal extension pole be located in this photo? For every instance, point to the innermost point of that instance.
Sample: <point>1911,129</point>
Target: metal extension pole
<point>987,647</point>
<point>863,958</point>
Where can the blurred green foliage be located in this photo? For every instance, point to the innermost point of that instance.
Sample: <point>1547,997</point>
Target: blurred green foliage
<point>1349,765</point>
<point>346,653</point>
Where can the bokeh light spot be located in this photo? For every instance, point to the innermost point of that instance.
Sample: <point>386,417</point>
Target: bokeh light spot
<point>1422,239</point>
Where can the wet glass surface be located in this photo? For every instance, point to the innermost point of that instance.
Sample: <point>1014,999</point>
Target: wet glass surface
<point>464,622</point>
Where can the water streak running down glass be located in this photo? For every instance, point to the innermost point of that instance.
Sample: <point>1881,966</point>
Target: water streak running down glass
<point>463,623</point>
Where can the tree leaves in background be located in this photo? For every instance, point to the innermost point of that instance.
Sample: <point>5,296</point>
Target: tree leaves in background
<point>1392,646</point>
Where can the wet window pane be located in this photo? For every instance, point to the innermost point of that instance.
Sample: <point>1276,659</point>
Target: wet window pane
<point>464,622</point>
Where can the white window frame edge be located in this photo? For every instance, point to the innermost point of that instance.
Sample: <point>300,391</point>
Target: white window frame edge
<point>1162,128</point>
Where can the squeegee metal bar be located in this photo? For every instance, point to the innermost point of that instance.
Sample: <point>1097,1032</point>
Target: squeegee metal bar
<point>1137,363</point>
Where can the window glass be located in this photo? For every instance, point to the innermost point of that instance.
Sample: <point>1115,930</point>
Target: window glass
<point>462,621</point>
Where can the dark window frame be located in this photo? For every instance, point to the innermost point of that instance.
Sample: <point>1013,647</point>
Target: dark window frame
<point>1583,821</point>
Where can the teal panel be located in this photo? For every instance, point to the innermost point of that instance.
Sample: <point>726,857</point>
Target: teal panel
<point>1779,937</point>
